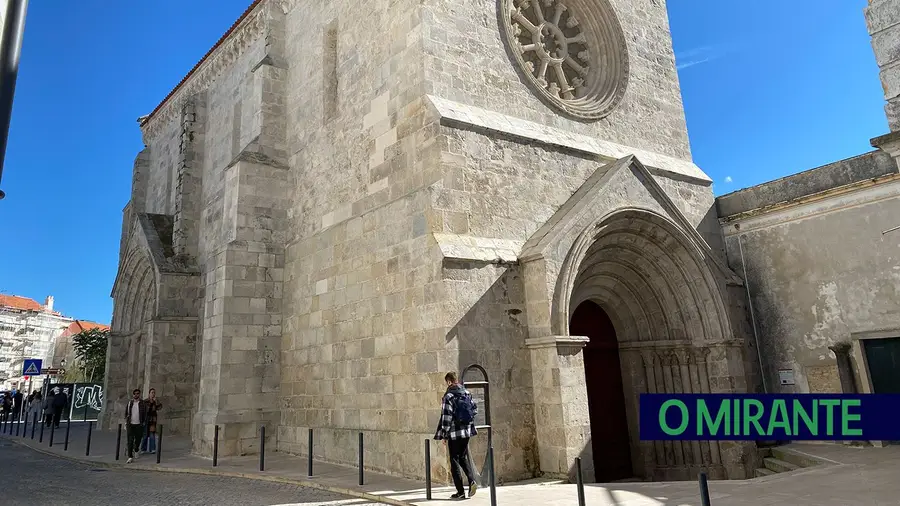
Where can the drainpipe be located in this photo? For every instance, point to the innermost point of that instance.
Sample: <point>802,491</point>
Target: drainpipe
<point>762,369</point>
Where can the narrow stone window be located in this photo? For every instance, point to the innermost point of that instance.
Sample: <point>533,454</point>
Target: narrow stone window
<point>329,70</point>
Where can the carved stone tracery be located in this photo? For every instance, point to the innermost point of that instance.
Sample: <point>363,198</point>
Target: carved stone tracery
<point>572,51</point>
<point>553,46</point>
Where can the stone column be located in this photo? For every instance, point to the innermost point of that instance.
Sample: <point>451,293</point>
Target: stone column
<point>170,370</point>
<point>845,369</point>
<point>562,418</point>
<point>115,383</point>
<point>240,369</point>
<point>188,189</point>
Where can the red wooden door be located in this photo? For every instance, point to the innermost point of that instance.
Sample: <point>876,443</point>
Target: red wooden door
<point>606,399</point>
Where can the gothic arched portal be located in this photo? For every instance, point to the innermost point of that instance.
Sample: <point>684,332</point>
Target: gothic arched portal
<point>606,397</point>
<point>637,287</point>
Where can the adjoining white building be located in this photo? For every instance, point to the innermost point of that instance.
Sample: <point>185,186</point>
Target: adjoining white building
<point>27,330</point>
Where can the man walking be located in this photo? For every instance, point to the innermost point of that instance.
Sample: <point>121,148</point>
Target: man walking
<point>456,426</point>
<point>135,415</point>
<point>60,402</point>
<point>18,400</point>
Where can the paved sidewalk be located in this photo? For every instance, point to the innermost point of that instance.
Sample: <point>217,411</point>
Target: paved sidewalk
<point>855,476</point>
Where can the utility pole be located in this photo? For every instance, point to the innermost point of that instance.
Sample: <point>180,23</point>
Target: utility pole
<point>10,49</point>
<point>890,230</point>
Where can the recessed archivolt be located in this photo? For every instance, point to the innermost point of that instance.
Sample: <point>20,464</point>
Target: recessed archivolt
<point>621,303</point>
<point>638,265</point>
<point>656,299</point>
<point>648,256</point>
<point>135,293</point>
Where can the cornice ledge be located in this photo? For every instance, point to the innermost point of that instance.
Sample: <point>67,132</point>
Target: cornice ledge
<point>251,29</point>
<point>467,117</point>
<point>559,342</point>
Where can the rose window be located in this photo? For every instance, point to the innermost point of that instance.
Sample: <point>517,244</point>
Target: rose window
<point>572,51</point>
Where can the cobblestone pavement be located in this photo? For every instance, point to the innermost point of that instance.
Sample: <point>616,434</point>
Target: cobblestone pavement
<point>28,478</point>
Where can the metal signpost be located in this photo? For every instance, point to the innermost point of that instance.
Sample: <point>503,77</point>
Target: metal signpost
<point>10,48</point>
<point>483,384</point>
<point>31,366</point>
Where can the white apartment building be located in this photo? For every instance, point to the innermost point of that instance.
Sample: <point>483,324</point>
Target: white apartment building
<point>27,330</point>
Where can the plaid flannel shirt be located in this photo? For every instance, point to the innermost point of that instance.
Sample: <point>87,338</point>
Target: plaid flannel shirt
<point>447,427</point>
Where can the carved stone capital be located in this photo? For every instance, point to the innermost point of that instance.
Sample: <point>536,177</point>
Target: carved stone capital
<point>839,349</point>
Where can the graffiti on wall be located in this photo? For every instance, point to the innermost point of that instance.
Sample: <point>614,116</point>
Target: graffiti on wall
<point>90,396</point>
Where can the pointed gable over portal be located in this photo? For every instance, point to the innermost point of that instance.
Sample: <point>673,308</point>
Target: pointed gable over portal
<point>623,188</point>
<point>621,244</point>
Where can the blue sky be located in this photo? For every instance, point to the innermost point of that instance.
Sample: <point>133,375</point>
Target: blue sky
<point>770,88</point>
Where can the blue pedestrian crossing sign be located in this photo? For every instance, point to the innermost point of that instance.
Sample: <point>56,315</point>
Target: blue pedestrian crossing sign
<point>32,367</point>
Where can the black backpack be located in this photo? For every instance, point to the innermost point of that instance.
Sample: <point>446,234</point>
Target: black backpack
<point>463,409</point>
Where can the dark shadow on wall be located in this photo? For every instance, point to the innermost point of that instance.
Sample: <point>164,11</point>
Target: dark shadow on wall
<point>754,317</point>
<point>492,334</point>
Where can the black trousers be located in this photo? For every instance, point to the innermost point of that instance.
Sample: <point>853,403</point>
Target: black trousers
<point>133,435</point>
<point>459,459</point>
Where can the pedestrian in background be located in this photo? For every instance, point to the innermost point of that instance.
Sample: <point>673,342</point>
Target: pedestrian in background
<point>135,416</point>
<point>455,428</point>
<point>34,403</point>
<point>6,407</point>
<point>48,406</point>
<point>148,443</point>
<point>17,399</point>
<point>60,401</point>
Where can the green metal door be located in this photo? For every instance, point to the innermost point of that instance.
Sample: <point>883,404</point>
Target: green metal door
<point>883,356</point>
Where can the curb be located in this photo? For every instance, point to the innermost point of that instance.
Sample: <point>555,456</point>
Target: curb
<point>227,474</point>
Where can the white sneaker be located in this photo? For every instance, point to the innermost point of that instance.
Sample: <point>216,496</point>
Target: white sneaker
<point>129,460</point>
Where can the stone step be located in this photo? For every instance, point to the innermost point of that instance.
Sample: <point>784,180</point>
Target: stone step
<point>778,466</point>
<point>762,471</point>
<point>798,459</point>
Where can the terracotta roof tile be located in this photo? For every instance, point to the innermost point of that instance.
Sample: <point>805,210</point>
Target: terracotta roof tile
<point>205,57</point>
<point>21,303</point>
<point>81,325</point>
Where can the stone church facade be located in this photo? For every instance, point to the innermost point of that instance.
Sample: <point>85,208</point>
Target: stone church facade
<point>345,200</point>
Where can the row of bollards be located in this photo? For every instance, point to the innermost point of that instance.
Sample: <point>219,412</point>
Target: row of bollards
<point>704,485</point>
<point>262,451</point>
<point>262,448</point>
<point>579,481</point>
<point>362,479</point>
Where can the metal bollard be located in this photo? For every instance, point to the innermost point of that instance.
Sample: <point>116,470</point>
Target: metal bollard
<point>493,481</point>
<point>41,438</point>
<point>25,425</point>
<point>704,490</point>
<point>262,448</point>
<point>216,447</point>
<point>362,480</point>
<point>87,449</point>
<point>68,426</point>
<point>428,469</point>
<point>159,444</point>
<point>309,458</point>
<point>118,441</point>
<point>33,424</point>
<point>18,422</point>
<point>580,481</point>
<point>52,431</point>
<point>85,412</point>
